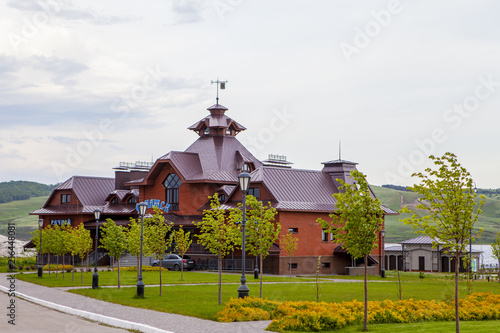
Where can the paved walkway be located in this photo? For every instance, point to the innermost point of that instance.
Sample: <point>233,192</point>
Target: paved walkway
<point>151,321</point>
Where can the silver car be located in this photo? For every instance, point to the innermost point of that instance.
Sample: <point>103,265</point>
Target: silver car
<point>174,262</point>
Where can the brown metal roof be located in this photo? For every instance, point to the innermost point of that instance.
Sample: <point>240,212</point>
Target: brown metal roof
<point>216,119</point>
<point>418,240</point>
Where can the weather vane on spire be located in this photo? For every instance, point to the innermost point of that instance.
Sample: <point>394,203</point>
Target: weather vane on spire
<point>222,86</point>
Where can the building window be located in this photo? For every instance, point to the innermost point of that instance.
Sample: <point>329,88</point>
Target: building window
<point>114,201</point>
<point>206,131</point>
<point>65,198</point>
<point>293,265</point>
<point>222,198</point>
<point>131,200</point>
<point>293,230</point>
<point>325,265</point>
<point>254,191</point>
<point>228,131</point>
<point>172,184</point>
<point>324,235</point>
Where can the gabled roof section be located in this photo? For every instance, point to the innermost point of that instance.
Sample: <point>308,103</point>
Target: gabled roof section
<point>418,240</point>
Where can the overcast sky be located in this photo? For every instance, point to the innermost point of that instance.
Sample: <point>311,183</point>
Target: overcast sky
<point>87,84</point>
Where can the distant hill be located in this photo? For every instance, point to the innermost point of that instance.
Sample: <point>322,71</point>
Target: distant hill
<point>23,190</point>
<point>489,220</point>
<point>17,212</point>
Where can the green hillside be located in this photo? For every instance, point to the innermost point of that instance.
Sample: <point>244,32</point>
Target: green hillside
<point>489,220</point>
<point>18,212</point>
<point>23,190</point>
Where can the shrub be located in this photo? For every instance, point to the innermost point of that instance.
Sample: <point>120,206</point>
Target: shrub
<point>53,267</point>
<point>313,316</point>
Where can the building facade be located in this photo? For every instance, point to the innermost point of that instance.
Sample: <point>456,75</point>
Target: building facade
<point>180,182</point>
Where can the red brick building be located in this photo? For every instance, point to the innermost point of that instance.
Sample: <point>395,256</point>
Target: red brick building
<point>180,182</point>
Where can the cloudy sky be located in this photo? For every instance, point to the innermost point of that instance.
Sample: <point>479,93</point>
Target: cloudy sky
<point>87,84</point>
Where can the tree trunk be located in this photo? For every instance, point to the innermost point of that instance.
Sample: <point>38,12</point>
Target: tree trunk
<point>290,266</point>
<point>220,277</point>
<point>457,313</point>
<point>498,271</point>
<point>48,254</point>
<point>118,272</point>
<point>87,260</point>
<point>160,273</point>
<point>182,268</point>
<point>365,319</point>
<point>260,264</point>
<point>57,265</point>
<point>73,270</point>
<point>63,264</point>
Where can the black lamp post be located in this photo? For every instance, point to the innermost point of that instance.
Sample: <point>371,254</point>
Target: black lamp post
<point>140,284</point>
<point>95,276</point>
<point>244,179</point>
<point>382,271</point>
<point>40,264</point>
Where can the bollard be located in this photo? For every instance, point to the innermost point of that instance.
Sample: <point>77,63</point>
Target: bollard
<point>256,273</point>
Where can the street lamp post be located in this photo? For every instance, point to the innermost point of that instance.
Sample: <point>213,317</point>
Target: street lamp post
<point>140,284</point>
<point>40,263</point>
<point>95,276</point>
<point>244,179</point>
<point>382,271</point>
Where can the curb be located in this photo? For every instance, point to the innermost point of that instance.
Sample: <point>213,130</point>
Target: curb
<point>120,323</point>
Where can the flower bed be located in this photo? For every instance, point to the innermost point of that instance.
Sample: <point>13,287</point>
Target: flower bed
<point>311,316</point>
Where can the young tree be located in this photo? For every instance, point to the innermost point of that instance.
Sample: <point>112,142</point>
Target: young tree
<point>134,239</point>
<point>218,234</point>
<point>66,245</point>
<point>157,240</point>
<point>261,230</point>
<point>357,221</point>
<point>289,244</point>
<point>182,241</point>
<point>82,243</point>
<point>113,239</point>
<point>48,242</point>
<point>448,198</point>
<point>57,244</point>
<point>495,248</point>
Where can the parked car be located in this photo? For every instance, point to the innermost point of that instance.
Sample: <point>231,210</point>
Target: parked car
<point>174,262</point>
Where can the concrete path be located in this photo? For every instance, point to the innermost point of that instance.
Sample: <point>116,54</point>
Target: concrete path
<point>112,314</point>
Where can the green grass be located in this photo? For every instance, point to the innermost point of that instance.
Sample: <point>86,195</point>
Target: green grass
<point>201,300</point>
<point>489,326</point>
<point>489,220</point>
<point>130,278</point>
<point>18,213</point>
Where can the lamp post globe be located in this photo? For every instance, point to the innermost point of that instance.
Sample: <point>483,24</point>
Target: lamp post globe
<point>40,263</point>
<point>140,284</point>
<point>95,276</point>
<point>244,181</point>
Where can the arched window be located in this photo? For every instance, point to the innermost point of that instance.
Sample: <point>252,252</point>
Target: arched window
<point>131,200</point>
<point>114,201</point>
<point>172,184</point>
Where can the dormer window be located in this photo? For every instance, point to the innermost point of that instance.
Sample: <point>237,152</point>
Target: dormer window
<point>222,198</point>
<point>65,198</point>
<point>246,167</point>
<point>131,200</point>
<point>228,131</point>
<point>114,201</point>
<point>206,131</point>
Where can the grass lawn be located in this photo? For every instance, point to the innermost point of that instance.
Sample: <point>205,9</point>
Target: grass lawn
<point>489,326</point>
<point>201,300</point>
<point>150,278</point>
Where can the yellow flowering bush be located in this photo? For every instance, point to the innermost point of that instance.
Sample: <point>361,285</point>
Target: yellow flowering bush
<point>53,267</point>
<point>144,269</point>
<point>312,316</point>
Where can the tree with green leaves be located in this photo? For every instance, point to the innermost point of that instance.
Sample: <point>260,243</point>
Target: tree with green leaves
<point>48,245</point>
<point>113,239</point>
<point>157,238</point>
<point>495,249</point>
<point>357,222</point>
<point>58,244</point>
<point>82,244</point>
<point>65,239</point>
<point>133,234</point>
<point>448,198</point>
<point>218,234</point>
<point>289,244</point>
<point>261,229</point>
<point>182,240</point>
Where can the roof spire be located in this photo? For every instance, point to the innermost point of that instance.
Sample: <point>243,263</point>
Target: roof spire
<point>222,86</point>
<point>340,150</point>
